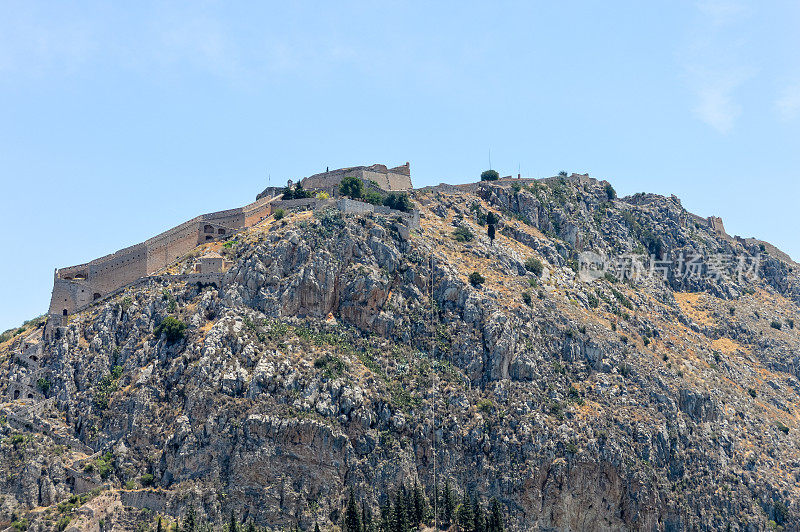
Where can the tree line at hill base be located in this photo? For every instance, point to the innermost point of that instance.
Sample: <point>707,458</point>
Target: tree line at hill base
<point>407,509</point>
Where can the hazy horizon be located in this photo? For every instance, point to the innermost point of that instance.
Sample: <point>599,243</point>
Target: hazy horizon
<point>119,122</point>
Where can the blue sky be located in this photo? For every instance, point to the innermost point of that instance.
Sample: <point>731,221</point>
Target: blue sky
<point>119,120</point>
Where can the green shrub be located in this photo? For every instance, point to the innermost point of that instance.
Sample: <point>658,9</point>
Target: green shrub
<point>278,214</point>
<point>398,202</point>
<point>610,192</point>
<point>476,279</point>
<point>43,384</point>
<point>593,301</point>
<point>331,366</point>
<point>462,234</point>
<point>563,173</point>
<point>172,328</point>
<point>752,392</point>
<point>775,325</point>
<point>490,175</point>
<point>790,323</point>
<point>373,197</point>
<point>105,465</point>
<point>526,297</point>
<point>781,427</point>
<point>63,523</point>
<point>352,187</point>
<point>146,479</point>
<point>486,406</point>
<point>534,266</point>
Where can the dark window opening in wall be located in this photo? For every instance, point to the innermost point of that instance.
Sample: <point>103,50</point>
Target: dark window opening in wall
<point>221,231</point>
<point>30,396</point>
<point>16,394</point>
<point>64,312</point>
<point>34,359</point>
<point>209,237</point>
<point>208,229</point>
<point>95,296</point>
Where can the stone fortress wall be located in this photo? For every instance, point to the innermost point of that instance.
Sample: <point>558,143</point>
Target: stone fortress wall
<point>75,287</point>
<point>396,179</point>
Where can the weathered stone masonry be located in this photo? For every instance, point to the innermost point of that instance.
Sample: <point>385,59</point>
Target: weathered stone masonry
<point>74,287</point>
<point>77,286</point>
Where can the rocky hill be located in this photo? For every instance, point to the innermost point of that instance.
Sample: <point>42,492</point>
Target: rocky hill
<point>343,353</point>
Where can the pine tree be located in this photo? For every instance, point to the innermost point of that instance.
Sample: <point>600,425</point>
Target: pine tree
<point>191,518</point>
<point>158,526</point>
<point>465,514</point>
<point>177,526</point>
<point>352,517</point>
<point>400,515</point>
<point>478,517</point>
<point>233,525</point>
<point>386,517</point>
<point>420,505</point>
<point>448,504</point>
<point>495,520</point>
<point>316,527</point>
<point>366,518</point>
<point>251,527</point>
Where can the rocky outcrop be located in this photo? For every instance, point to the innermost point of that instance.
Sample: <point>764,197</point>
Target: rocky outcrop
<point>341,353</point>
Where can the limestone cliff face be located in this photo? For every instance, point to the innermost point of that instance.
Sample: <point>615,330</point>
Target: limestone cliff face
<point>339,349</point>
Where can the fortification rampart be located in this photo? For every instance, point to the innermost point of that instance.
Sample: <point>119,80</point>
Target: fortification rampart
<point>76,287</point>
<point>396,179</point>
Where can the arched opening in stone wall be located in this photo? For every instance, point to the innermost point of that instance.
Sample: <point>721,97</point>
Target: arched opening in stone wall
<point>208,229</point>
<point>16,394</point>
<point>209,237</point>
<point>30,396</point>
<point>33,358</point>
<point>64,312</point>
<point>221,231</point>
<point>95,296</point>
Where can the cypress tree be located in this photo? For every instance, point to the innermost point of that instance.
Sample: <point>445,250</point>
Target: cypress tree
<point>400,515</point>
<point>478,517</point>
<point>352,517</point>
<point>420,505</point>
<point>190,523</point>
<point>366,518</point>
<point>158,526</point>
<point>251,527</point>
<point>465,513</point>
<point>316,527</point>
<point>449,504</point>
<point>233,525</point>
<point>495,520</point>
<point>386,517</point>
